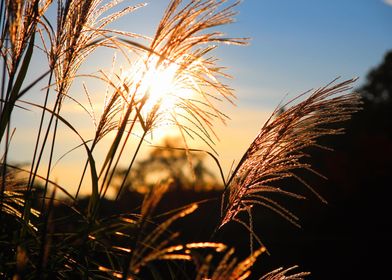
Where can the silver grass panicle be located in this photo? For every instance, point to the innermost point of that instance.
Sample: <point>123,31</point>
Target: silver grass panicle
<point>278,150</point>
<point>180,49</point>
<point>18,25</point>
<point>178,56</point>
<point>80,30</point>
<point>115,105</point>
<point>13,199</point>
<point>22,18</point>
<point>229,268</point>
<point>282,274</point>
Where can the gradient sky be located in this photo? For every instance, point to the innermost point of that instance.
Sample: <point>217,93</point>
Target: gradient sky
<point>299,45</point>
<point>295,46</point>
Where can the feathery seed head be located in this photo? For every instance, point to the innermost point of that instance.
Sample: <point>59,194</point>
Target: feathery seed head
<point>278,150</point>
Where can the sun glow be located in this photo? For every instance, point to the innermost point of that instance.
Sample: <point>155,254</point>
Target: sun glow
<point>175,91</point>
<point>161,84</point>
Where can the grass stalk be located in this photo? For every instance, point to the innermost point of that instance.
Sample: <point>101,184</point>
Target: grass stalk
<point>131,164</point>
<point>114,168</point>
<point>40,127</point>
<point>79,240</point>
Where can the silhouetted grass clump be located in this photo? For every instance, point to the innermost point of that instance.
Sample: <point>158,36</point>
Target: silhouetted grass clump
<point>173,80</point>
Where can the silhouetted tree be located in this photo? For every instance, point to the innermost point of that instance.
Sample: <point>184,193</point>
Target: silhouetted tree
<point>358,189</point>
<point>378,87</point>
<point>168,162</point>
<point>377,92</point>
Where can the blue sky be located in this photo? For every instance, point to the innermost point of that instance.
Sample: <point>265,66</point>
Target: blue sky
<point>295,45</point>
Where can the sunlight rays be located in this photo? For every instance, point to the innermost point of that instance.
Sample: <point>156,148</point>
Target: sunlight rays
<point>159,85</point>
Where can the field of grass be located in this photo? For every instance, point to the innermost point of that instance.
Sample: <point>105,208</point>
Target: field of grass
<point>174,80</point>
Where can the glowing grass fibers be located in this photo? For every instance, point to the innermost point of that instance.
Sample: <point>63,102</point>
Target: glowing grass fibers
<point>175,81</point>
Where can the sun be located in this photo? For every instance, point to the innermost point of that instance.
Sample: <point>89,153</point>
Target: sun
<point>161,85</point>
<point>174,94</point>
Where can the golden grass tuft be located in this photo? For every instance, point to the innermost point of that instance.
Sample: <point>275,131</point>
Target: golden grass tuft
<point>175,81</point>
<point>279,149</point>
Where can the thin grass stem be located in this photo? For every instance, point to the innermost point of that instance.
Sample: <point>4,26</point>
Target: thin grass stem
<point>131,164</point>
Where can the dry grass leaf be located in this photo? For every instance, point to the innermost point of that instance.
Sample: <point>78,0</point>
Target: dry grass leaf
<point>282,274</point>
<point>229,268</point>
